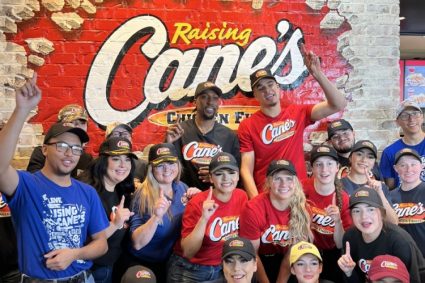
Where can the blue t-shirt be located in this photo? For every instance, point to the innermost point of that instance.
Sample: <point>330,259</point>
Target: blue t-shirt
<point>167,233</point>
<point>49,217</point>
<point>409,206</point>
<point>388,159</point>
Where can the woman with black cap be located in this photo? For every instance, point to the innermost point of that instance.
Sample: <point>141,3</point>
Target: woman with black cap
<point>239,261</point>
<point>158,205</point>
<point>210,218</point>
<point>111,174</point>
<point>371,236</point>
<point>362,160</point>
<point>276,219</point>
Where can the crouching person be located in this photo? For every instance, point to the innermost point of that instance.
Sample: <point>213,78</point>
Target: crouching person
<point>59,221</point>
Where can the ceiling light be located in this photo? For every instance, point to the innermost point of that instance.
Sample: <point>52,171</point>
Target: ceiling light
<point>402,18</point>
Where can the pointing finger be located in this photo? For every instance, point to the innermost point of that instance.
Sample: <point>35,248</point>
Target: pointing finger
<point>210,194</point>
<point>121,205</point>
<point>334,199</point>
<point>161,193</point>
<point>347,248</point>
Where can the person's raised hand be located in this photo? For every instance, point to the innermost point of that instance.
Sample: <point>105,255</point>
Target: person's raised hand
<point>209,206</point>
<point>120,214</point>
<point>161,205</point>
<point>311,61</point>
<point>174,131</point>
<point>29,95</point>
<point>345,262</point>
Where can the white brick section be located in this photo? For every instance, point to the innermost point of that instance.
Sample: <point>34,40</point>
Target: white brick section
<point>371,47</point>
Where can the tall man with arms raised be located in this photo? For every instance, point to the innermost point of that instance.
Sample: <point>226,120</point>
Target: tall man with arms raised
<point>54,214</point>
<point>274,133</point>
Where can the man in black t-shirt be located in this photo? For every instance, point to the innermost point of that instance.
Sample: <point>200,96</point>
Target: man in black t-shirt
<point>199,139</point>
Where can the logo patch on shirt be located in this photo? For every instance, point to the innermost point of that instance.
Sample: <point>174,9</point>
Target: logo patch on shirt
<point>224,228</point>
<point>200,152</point>
<point>277,235</point>
<point>410,213</point>
<point>321,222</point>
<point>278,131</point>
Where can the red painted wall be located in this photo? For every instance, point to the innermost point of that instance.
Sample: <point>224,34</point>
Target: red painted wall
<point>63,77</point>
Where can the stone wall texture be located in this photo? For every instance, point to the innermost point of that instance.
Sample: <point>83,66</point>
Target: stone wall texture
<point>367,43</point>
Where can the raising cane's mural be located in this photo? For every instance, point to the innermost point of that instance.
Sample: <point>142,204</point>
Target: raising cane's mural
<point>139,62</point>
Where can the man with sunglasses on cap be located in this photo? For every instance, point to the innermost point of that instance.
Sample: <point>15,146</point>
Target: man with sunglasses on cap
<point>341,135</point>
<point>199,139</point>
<point>410,118</point>
<point>59,221</point>
<point>273,132</point>
<point>71,115</point>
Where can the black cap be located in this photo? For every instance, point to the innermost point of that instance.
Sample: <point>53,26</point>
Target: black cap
<point>138,274</point>
<point>323,150</point>
<point>114,125</point>
<point>282,164</point>
<point>238,246</point>
<point>338,125</point>
<point>365,144</point>
<point>116,146</point>
<point>365,195</point>
<point>407,151</point>
<point>163,152</point>
<point>259,75</point>
<point>204,86</point>
<point>58,129</point>
<point>223,160</point>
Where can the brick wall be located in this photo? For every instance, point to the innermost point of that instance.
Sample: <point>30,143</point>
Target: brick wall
<point>358,42</point>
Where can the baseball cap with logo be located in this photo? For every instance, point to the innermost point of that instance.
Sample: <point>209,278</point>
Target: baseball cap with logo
<point>138,274</point>
<point>282,164</point>
<point>238,246</point>
<point>204,86</point>
<point>407,151</point>
<point>58,129</point>
<point>365,195</point>
<point>406,104</point>
<point>365,144</point>
<point>259,75</point>
<point>72,112</point>
<point>338,125</point>
<point>163,152</point>
<point>116,146</point>
<point>323,150</point>
<point>223,160</point>
<point>302,248</point>
<point>388,266</point>
<point>114,125</point>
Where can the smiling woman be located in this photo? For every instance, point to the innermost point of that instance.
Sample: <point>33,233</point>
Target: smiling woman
<point>111,174</point>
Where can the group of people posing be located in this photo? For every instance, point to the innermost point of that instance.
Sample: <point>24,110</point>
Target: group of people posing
<point>210,205</point>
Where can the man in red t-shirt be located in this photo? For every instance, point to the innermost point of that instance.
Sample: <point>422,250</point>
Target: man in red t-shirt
<point>274,133</point>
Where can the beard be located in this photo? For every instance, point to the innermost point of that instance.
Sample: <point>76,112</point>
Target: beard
<point>343,150</point>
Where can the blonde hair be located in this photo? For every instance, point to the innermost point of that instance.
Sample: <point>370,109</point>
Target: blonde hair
<point>147,193</point>
<point>300,219</point>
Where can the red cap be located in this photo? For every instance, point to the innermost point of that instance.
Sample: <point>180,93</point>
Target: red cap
<point>388,266</point>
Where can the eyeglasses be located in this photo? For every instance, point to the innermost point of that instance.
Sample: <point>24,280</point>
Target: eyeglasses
<point>407,115</point>
<point>342,134</point>
<point>124,134</point>
<point>165,165</point>
<point>63,147</point>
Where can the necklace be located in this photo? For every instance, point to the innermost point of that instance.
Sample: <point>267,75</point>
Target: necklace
<point>204,131</point>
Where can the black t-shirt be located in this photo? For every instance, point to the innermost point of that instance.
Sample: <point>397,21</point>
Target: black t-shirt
<point>393,240</point>
<point>110,199</point>
<point>37,160</point>
<point>8,245</point>
<point>196,149</point>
